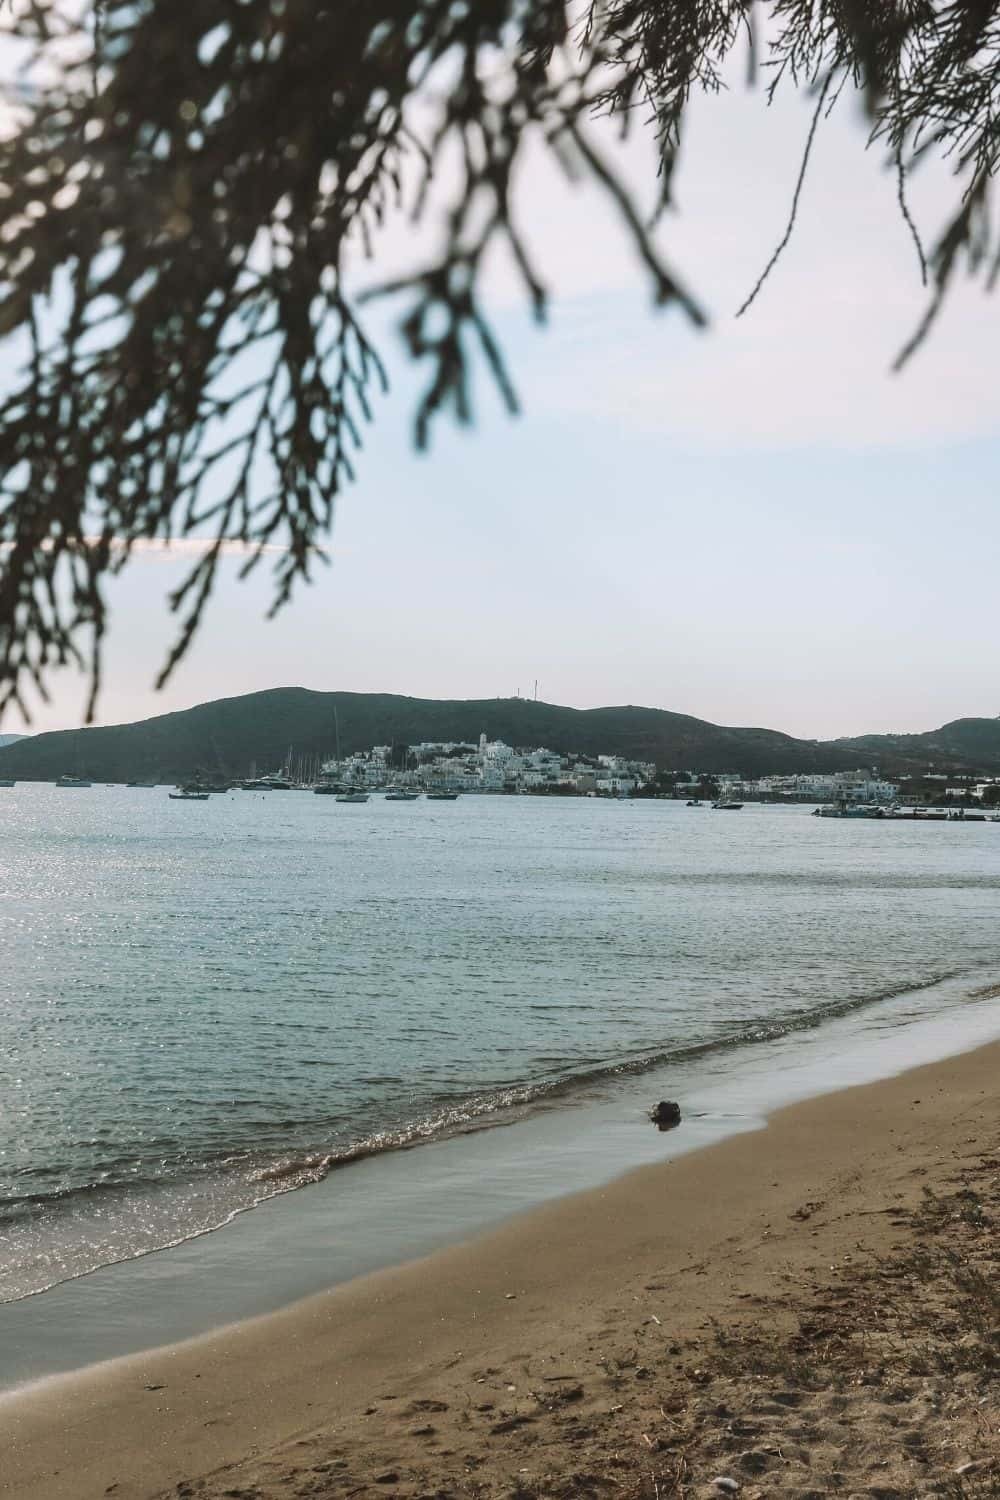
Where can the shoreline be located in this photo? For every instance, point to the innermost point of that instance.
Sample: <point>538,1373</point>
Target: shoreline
<point>386,1369</point>
<point>394,1208</point>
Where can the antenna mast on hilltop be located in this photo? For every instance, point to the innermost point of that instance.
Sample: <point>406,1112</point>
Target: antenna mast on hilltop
<point>536,689</point>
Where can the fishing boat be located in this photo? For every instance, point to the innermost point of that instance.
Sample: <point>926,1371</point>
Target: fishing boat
<point>353,797</point>
<point>74,782</point>
<point>442,796</point>
<point>845,810</point>
<point>184,795</point>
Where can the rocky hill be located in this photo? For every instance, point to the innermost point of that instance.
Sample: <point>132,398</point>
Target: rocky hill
<point>227,736</point>
<point>963,745</point>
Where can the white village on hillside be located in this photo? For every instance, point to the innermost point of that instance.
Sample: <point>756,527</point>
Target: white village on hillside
<point>489,766</point>
<point>494,766</point>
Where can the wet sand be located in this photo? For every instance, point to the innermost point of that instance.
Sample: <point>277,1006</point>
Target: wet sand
<point>539,1355</point>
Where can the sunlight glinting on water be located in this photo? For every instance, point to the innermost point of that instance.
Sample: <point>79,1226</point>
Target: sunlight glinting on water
<point>206,1005</point>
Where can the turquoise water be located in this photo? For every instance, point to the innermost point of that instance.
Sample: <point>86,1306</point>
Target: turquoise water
<point>205,1005</point>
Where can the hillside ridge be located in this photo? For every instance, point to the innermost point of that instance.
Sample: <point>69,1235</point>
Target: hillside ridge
<point>226,735</point>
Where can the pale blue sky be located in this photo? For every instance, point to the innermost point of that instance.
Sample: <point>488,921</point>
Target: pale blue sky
<point>759,525</point>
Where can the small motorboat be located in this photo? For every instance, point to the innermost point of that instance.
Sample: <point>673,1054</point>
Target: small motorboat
<point>352,797</point>
<point>695,802</point>
<point>183,795</point>
<point>724,806</point>
<point>442,796</point>
<point>397,794</point>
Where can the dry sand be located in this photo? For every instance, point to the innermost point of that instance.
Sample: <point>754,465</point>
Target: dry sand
<point>807,1310</point>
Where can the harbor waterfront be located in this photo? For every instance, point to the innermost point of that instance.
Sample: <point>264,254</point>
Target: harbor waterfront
<point>200,1015</point>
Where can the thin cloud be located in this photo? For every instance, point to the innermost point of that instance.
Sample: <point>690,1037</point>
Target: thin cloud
<point>196,546</point>
<point>177,549</point>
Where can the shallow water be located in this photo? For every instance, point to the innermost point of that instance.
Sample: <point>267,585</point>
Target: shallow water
<point>204,1005</point>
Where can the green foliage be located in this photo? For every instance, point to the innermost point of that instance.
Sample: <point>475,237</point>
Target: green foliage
<point>963,745</point>
<point>187,188</point>
<point>225,736</point>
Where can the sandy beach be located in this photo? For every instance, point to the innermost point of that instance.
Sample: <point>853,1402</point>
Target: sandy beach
<point>809,1309</point>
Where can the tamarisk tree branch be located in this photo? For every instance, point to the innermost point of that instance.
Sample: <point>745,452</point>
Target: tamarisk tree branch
<point>187,191</point>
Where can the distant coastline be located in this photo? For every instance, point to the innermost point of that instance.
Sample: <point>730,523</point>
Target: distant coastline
<point>224,738</point>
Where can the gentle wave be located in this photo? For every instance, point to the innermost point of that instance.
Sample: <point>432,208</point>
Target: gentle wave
<point>501,1106</point>
<point>254,1183</point>
<point>493,1108</point>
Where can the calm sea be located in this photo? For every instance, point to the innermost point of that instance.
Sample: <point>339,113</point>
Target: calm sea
<point>203,1005</point>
